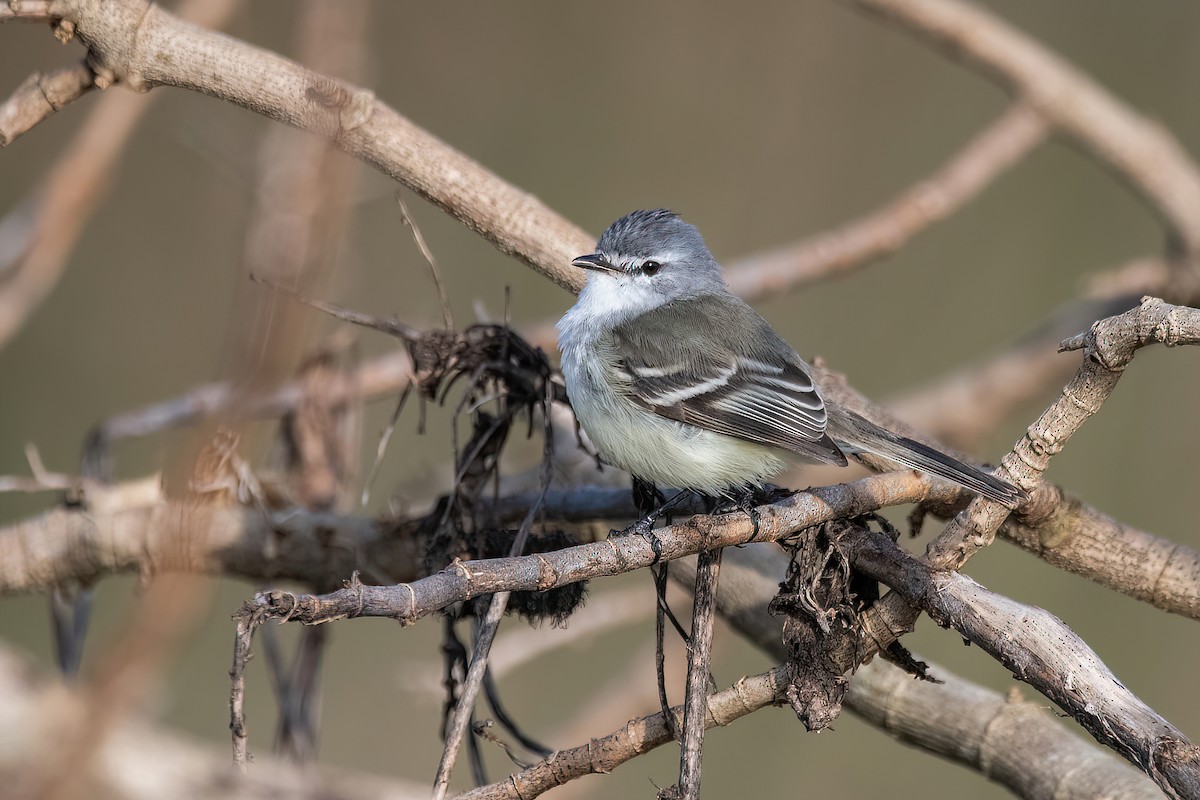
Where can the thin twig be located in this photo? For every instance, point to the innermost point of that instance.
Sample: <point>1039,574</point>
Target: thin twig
<point>40,96</point>
<point>708,570</point>
<point>487,631</point>
<point>443,296</point>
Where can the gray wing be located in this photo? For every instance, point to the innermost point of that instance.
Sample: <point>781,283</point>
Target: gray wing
<point>696,361</point>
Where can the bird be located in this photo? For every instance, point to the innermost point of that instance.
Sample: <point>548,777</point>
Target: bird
<point>681,383</point>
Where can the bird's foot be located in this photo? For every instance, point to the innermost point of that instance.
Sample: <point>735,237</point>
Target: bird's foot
<point>644,527</point>
<point>744,499</point>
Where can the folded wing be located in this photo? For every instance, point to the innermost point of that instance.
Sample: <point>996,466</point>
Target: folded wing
<point>755,390</point>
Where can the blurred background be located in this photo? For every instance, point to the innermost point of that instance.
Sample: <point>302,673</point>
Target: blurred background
<point>761,125</point>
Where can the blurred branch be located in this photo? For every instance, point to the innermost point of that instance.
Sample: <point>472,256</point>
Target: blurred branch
<point>1140,151</point>
<point>52,220</point>
<point>377,377</point>
<point>142,50</point>
<point>841,250</point>
<point>40,96</point>
<point>638,736</point>
<point>132,528</point>
<point>140,761</point>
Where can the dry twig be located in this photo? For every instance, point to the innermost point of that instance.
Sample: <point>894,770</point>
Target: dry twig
<point>41,96</point>
<point>637,736</point>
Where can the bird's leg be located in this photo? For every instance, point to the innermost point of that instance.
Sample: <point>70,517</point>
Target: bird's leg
<point>740,498</point>
<point>646,496</point>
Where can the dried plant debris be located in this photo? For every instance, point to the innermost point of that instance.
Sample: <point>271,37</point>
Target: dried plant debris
<point>822,599</point>
<point>505,380</point>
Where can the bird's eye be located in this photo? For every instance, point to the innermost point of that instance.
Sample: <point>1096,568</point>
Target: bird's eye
<point>651,267</point>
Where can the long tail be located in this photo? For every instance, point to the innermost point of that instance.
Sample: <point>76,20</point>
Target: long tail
<point>858,433</point>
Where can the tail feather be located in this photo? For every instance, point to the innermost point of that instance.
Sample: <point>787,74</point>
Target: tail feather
<point>865,435</point>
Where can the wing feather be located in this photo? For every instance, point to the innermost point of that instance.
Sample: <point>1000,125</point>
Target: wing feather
<point>758,391</point>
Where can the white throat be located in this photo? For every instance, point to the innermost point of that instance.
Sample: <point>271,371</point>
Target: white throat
<point>608,300</point>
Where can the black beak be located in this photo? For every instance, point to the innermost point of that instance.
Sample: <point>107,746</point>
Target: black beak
<point>595,262</point>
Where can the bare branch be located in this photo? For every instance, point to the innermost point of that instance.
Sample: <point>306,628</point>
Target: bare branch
<point>1041,650</point>
<point>1016,743</point>
<point>1110,346</point>
<point>39,97</point>
<point>841,250</point>
<point>1076,537</point>
<point>144,48</point>
<point>636,737</point>
<point>1140,151</point>
<point>408,602</point>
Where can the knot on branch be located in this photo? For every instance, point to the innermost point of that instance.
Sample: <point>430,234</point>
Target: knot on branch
<point>341,108</point>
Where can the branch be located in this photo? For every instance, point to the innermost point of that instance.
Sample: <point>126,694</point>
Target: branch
<point>1015,743</point>
<point>839,251</point>
<point>133,529</point>
<point>143,46</point>
<point>37,11</point>
<point>40,96</point>
<point>463,580</point>
<point>142,761</point>
<point>695,707</point>
<point>638,736</point>
<point>1140,151</point>
<point>57,213</point>
<point>1041,650</point>
<point>1109,347</point>
<point>1076,537</point>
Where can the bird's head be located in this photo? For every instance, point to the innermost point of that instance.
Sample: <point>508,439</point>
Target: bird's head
<point>652,257</point>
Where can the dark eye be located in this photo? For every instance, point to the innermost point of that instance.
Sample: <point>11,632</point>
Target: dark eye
<point>651,267</point>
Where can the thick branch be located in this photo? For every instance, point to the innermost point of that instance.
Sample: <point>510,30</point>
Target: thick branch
<point>1014,742</point>
<point>1041,650</point>
<point>1078,538</point>
<point>144,46</point>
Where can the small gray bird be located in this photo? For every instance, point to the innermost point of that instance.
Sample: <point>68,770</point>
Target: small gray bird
<point>679,382</point>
